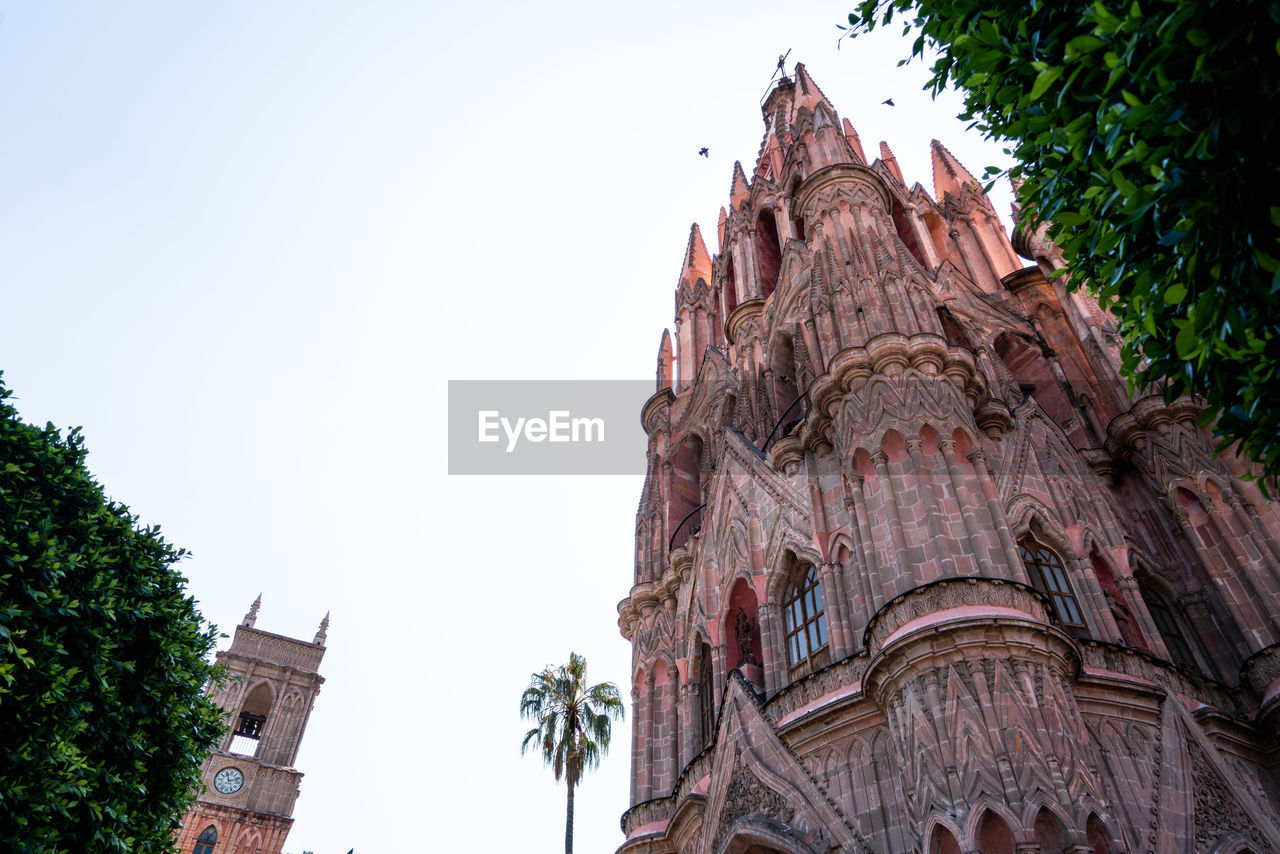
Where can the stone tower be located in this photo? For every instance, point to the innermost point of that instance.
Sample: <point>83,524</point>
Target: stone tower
<point>249,783</point>
<point>913,571</point>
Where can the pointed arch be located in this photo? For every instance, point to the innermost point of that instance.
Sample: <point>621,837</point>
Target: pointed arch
<point>1049,574</point>
<point>992,834</point>
<point>251,722</point>
<point>1171,623</point>
<point>250,842</point>
<point>706,685</point>
<point>804,618</point>
<point>1050,832</point>
<point>742,627</point>
<point>1097,835</point>
<point>768,251</point>
<point>786,385</point>
<point>206,841</point>
<point>942,840</point>
<point>1121,607</point>
<point>684,505</point>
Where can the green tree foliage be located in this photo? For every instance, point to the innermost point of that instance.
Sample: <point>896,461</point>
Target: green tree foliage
<point>103,659</point>
<point>1145,132</point>
<point>573,723</point>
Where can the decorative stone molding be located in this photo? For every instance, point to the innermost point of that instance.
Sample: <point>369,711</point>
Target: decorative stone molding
<point>849,182</point>
<point>647,812</point>
<point>746,314</point>
<point>787,455</point>
<point>948,593</point>
<point>747,796</point>
<point>830,679</point>
<point>1098,656</point>
<point>1261,669</point>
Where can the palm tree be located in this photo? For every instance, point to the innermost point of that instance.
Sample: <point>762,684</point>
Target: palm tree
<point>573,723</point>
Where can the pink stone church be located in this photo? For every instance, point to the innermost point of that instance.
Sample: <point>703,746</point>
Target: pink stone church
<point>914,571</point>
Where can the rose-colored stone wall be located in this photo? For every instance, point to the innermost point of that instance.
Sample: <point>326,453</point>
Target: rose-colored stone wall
<point>873,386</point>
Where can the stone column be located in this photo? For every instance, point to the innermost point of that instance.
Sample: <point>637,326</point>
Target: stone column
<point>717,671</point>
<point>948,448</point>
<point>987,481</point>
<point>636,746</point>
<point>1242,601</point>
<point>924,482</point>
<point>1255,533</point>
<point>648,705</point>
<point>834,602</point>
<point>673,728</point>
<point>1259,526</point>
<point>1257,582</point>
<point>773,672</point>
<point>903,580</point>
<point>691,712</point>
<point>1138,607</point>
<point>1105,620</point>
<point>855,505</point>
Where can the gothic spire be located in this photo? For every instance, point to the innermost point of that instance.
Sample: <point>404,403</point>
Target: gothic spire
<point>891,162</point>
<point>666,360</point>
<point>740,191</point>
<point>323,631</point>
<point>949,176</point>
<point>854,142</point>
<point>697,261</point>
<point>807,92</point>
<point>252,617</point>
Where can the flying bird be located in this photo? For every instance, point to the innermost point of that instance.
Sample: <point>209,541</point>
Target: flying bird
<point>705,152</point>
<point>888,101</point>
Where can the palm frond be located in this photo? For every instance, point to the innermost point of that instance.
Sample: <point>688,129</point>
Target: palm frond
<point>573,718</point>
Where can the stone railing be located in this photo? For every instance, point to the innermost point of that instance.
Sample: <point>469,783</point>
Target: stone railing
<point>647,812</point>
<point>844,673</point>
<point>1098,655</point>
<point>947,593</point>
<point>276,649</point>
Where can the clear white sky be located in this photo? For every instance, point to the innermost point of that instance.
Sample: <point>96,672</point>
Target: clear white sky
<point>246,245</point>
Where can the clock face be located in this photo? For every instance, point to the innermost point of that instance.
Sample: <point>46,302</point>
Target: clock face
<point>228,781</point>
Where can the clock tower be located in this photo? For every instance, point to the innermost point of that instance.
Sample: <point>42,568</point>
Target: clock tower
<point>249,784</point>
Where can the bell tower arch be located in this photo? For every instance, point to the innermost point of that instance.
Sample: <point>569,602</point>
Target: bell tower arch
<point>249,782</point>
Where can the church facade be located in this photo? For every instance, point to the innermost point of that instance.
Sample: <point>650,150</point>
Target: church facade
<point>914,571</point>
<point>249,783</point>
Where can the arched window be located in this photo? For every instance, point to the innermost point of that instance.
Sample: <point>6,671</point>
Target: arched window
<point>206,840</point>
<point>706,695</point>
<point>684,507</point>
<point>1048,575</point>
<point>803,617</point>
<point>247,736</point>
<point>1170,629</point>
<point>730,288</point>
<point>768,251</point>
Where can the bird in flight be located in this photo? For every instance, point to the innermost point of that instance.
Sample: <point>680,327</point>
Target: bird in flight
<point>888,101</point>
<point>705,152</point>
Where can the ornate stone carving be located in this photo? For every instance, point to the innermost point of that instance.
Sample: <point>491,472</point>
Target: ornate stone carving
<point>953,593</point>
<point>1217,814</point>
<point>747,796</point>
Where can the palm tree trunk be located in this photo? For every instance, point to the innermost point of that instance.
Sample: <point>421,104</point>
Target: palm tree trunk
<point>568,825</point>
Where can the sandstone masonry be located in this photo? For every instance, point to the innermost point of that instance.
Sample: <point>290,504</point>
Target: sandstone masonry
<point>913,570</point>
